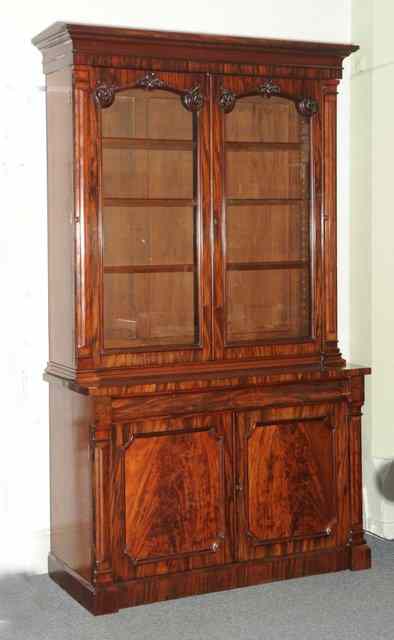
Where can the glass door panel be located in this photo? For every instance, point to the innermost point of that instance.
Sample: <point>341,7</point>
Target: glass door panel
<point>266,303</point>
<point>150,222</point>
<point>267,221</point>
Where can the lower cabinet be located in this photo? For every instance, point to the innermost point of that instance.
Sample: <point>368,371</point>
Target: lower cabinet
<point>217,488</point>
<point>217,491</point>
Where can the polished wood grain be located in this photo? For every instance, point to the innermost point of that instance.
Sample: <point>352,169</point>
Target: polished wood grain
<point>153,145</point>
<point>82,197</point>
<point>360,552</point>
<point>287,470</point>
<point>60,218</point>
<point>145,268</point>
<point>172,509</point>
<point>148,202</point>
<point>289,480</point>
<point>198,581</point>
<point>217,399</point>
<point>256,266</point>
<point>112,47</point>
<point>71,415</point>
<point>332,354</point>
<point>205,431</point>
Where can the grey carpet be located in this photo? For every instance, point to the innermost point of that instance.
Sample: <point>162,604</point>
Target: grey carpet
<point>345,606</point>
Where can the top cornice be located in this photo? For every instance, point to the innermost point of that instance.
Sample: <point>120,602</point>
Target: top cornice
<point>91,40</point>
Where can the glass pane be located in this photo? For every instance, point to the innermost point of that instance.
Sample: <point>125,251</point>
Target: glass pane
<point>267,168</point>
<point>265,173</point>
<point>263,120</point>
<point>149,222</point>
<point>148,236</point>
<point>267,304</point>
<point>267,232</point>
<point>148,309</point>
<point>139,173</point>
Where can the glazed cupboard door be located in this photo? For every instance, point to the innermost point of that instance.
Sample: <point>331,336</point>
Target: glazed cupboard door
<point>173,482</point>
<point>292,480</point>
<point>153,227</point>
<point>266,218</point>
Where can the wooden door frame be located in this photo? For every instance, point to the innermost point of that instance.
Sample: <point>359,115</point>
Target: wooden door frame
<point>102,88</point>
<point>337,531</point>
<point>298,91</point>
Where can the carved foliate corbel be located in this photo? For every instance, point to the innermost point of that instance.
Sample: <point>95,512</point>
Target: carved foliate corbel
<point>104,95</point>
<point>227,100</point>
<point>307,107</point>
<point>193,100</point>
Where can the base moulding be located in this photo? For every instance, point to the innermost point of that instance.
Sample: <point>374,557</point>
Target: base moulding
<point>111,598</point>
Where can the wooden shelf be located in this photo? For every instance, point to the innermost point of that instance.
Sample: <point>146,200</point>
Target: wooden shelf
<point>264,333</point>
<point>164,341</point>
<point>235,202</point>
<point>150,268</point>
<point>148,202</point>
<point>263,146</point>
<point>257,266</point>
<point>146,143</point>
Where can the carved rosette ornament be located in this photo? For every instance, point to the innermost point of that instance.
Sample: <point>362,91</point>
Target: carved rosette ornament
<point>227,100</point>
<point>307,107</point>
<point>150,82</point>
<point>268,89</point>
<point>104,95</point>
<point>193,100</point>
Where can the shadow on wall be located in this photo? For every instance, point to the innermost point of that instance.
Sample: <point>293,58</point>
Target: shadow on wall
<point>384,480</point>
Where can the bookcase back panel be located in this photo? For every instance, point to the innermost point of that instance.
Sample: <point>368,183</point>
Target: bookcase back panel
<point>148,308</point>
<point>156,115</point>
<point>267,304</point>
<point>137,173</point>
<point>279,232</point>
<point>257,120</point>
<point>145,235</point>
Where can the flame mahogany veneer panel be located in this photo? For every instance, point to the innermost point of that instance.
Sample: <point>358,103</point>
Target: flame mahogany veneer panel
<point>173,495</point>
<point>289,479</point>
<point>172,509</point>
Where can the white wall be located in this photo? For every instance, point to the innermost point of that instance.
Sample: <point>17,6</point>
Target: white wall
<point>24,499</point>
<point>372,252</point>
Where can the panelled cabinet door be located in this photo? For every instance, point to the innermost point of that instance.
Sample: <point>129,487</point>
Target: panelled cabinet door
<point>292,479</point>
<point>173,482</point>
<point>266,217</point>
<point>153,219</point>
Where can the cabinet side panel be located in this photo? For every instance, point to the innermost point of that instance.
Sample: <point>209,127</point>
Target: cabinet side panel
<point>60,217</point>
<point>71,415</point>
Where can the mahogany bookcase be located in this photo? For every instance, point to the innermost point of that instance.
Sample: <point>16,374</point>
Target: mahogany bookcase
<point>204,427</point>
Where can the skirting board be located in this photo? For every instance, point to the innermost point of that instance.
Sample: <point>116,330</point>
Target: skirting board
<point>25,551</point>
<point>381,529</point>
<point>379,498</point>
